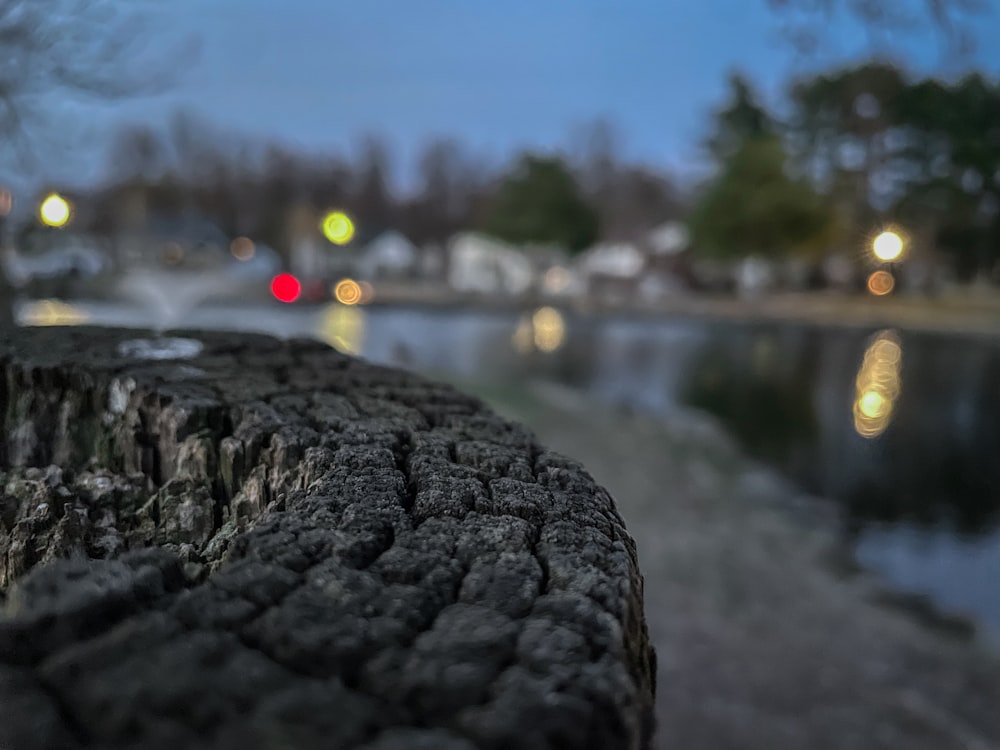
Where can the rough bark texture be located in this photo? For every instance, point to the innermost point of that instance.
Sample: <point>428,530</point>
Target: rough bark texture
<point>228,541</point>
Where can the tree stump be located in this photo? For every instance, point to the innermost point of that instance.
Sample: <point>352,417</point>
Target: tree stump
<point>230,541</point>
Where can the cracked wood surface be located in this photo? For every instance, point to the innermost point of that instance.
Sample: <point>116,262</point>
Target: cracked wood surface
<point>220,540</point>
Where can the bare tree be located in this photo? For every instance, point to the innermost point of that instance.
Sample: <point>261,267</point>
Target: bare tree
<point>372,195</point>
<point>80,49</point>
<point>137,151</point>
<point>444,193</point>
<point>597,147</point>
<point>803,21</point>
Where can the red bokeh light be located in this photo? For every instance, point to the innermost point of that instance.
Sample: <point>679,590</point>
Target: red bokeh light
<point>286,288</point>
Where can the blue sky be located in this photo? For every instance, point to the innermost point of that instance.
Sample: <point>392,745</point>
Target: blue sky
<point>499,75</point>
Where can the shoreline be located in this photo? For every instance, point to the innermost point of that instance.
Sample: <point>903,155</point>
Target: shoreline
<point>767,635</point>
<point>967,315</point>
<point>801,509</point>
<point>946,315</point>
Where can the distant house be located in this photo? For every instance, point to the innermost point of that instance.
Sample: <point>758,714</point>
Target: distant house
<point>755,276</point>
<point>669,239</point>
<point>477,263</point>
<point>389,256</point>
<point>622,260</point>
<point>434,263</point>
<point>667,272</point>
<point>611,268</point>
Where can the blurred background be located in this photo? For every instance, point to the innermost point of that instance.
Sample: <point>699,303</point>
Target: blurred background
<point>741,258</point>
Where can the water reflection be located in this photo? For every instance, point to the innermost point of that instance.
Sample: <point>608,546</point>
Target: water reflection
<point>51,312</point>
<point>544,330</point>
<point>764,398</point>
<point>878,384</point>
<point>342,327</point>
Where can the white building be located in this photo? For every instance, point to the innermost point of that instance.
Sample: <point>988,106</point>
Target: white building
<point>621,260</point>
<point>482,264</point>
<point>755,276</point>
<point>669,239</point>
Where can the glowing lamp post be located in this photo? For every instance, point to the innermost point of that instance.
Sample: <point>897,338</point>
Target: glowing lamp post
<point>54,211</point>
<point>888,246</point>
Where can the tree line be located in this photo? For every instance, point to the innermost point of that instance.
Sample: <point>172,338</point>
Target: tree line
<point>856,149</point>
<point>570,200</point>
<point>847,152</point>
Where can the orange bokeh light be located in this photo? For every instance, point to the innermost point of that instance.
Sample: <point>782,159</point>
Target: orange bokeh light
<point>348,292</point>
<point>881,283</point>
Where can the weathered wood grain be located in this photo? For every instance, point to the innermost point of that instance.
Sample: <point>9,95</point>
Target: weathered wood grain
<point>222,541</point>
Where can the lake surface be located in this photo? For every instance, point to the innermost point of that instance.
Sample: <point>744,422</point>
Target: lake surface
<point>902,428</point>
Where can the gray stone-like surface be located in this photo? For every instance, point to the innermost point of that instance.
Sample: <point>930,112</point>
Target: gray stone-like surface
<point>215,541</point>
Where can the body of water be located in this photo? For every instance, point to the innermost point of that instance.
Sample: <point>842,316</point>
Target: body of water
<point>902,428</point>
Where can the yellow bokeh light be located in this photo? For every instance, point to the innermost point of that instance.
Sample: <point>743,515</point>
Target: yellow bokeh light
<point>343,328</point>
<point>550,329</point>
<point>338,227</point>
<point>54,211</point>
<point>242,248</point>
<point>872,404</point>
<point>348,292</point>
<point>878,385</point>
<point>52,312</point>
<point>523,338</point>
<point>888,246</point>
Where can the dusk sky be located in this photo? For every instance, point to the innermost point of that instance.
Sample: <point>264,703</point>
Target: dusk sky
<point>498,75</point>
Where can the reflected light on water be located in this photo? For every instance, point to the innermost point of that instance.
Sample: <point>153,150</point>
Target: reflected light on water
<point>872,404</point>
<point>550,330</point>
<point>342,328</point>
<point>51,312</point>
<point>881,283</point>
<point>524,336</point>
<point>348,292</point>
<point>544,330</point>
<point>878,384</point>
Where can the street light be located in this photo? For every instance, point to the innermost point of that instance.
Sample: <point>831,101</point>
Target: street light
<point>888,246</point>
<point>338,227</point>
<point>54,211</point>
